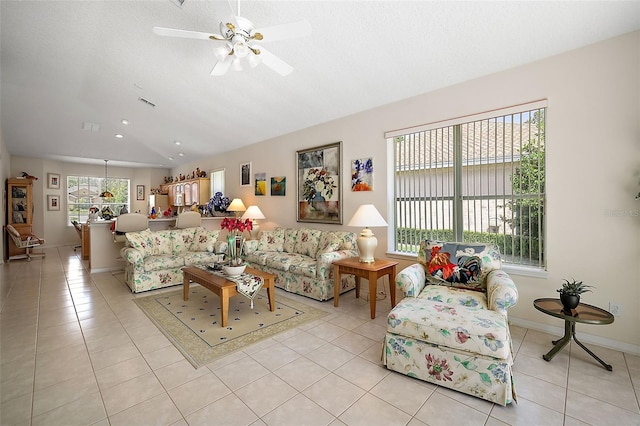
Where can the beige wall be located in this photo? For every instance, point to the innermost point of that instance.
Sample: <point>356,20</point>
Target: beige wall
<point>53,225</point>
<point>593,166</point>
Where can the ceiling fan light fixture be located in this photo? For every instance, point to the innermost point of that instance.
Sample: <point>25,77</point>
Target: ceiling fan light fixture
<point>240,48</point>
<point>254,60</point>
<point>222,51</point>
<point>237,64</point>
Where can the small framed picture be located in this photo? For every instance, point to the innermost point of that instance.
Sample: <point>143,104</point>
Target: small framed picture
<point>260,184</point>
<point>245,174</point>
<point>140,192</point>
<point>53,181</point>
<point>53,202</point>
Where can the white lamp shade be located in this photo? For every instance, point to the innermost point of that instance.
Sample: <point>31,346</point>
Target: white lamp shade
<point>253,212</point>
<point>367,215</point>
<point>236,206</point>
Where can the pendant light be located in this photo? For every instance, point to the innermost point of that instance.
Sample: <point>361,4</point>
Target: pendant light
<point>105,193</point>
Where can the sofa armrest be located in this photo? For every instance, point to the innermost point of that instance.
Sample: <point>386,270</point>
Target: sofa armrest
<point>133,257</point>
<point>411,280</point>
<point>220,247</point>
<point>324,267</point>
<point>501,291</point>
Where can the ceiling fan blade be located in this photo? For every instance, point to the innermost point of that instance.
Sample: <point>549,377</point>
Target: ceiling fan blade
<point>285,31</point>
<point>275,63</point>
<point>222,66</point>
<point>170,32</point>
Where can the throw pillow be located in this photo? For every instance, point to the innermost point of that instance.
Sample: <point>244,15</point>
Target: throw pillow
<point>204,239</point>
<point>272,240</point>
<point>141,241</point>
<point>307,243</point>
<point>455,264</point>
<point>182,240</point>
<point>290,239</point>
<point>329,242</point>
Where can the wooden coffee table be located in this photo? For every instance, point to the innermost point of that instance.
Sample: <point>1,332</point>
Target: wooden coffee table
<point>368,271</point>
<point>225,288</point>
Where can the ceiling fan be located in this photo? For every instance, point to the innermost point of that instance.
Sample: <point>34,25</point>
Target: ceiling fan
<point>238,38</point>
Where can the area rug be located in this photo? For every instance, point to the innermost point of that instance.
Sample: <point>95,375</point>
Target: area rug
<point>194,326</point>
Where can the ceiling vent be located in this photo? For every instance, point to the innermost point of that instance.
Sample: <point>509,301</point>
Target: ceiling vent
<point>90,127</point>
<point>146,101</point>
<point>178,3</point>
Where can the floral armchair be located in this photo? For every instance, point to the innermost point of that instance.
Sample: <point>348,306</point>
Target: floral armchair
<point>451,328</point>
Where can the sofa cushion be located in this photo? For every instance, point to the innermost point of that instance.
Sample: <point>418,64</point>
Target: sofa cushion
<point>162,242</point>
<point>347,240</point>
<point>182,240</point>
<point>199,258</point>
<point>307,243</point>
<point>329,242</point>
<point>204,239</point>
<point>290,240</point>
<point>162,261</point>
<point>258,257</point>
<point>463,265</point>
<point>304,265</point>
<point>281,261</point>
<point>454,318</point>
<point>272,240</point>
<point>141,241</point>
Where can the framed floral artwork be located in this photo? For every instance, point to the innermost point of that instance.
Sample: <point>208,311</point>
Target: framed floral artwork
<point>319,195</point>
<point>362,174</point>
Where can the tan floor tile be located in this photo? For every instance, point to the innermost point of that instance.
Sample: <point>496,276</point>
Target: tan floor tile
<point>87,409</point>
<point>301,373</point>
<point>127,394</point>
<point>265,394</point>
<point>63,393</point>
<point>619,394</point>
<point>190,397</point>
<point>241,373</point>
<point>304,342</point>
<point>526,413</point>
<point>330,356</point>
<point>334,394</point>
<point>442,410</point>
<point>229,410</point>
<point>354,343</point>
<point>542,392</point>
<point>594,411</point>
<point>362,373</point>
<point>327,331</point>
<point>403,392</point>
<point>275,356</point>
<point>297,408</point>
<point>113,355</point>
<point>121,372</point>
<point>370,410</point>
<point>16,410</point>
<point>155,411</point>
<point>178,373</point>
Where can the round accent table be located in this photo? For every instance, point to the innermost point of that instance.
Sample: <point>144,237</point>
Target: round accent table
<point>583,313</point>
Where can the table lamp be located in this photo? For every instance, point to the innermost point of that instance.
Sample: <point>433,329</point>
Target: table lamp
<point>368,216</point>
<point>253,213</point>
<point>236,206</point>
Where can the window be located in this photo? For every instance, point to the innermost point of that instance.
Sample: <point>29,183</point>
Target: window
<point>217,181</point>
<point>83,191</point>
<point>479,179</point>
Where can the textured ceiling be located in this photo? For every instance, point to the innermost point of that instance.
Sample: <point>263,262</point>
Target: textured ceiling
<point>64,63</point>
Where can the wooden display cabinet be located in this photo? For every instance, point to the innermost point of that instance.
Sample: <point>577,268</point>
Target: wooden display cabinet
<point>187,192</point>
<point>19,211</point>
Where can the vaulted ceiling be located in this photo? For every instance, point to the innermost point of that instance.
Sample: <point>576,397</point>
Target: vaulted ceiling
<point>72,70</point>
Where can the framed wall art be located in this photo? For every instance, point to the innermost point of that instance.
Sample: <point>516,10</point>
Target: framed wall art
<point>319,184</point>
<point>279,185</point>
<point>261,184</point>
<point>140,192</point>
<point>53,181</point>
<point>53,202</point>
<point>362,174</point>
<point>245,174</point>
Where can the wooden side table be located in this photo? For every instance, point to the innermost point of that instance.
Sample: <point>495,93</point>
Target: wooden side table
<point>369,271</point>
<point>582,313</point>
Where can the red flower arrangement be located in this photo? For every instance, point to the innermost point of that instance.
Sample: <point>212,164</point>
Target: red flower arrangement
<point>236,226</point>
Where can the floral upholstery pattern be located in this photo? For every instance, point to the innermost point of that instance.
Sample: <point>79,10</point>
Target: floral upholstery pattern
<point>300,273</point>
<point>272,240</point>
<point>454,334</point>
<point>155,259</point>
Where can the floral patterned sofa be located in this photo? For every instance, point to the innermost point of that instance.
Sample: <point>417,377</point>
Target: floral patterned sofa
<point>451,328</point>
<point>154,259</point>
<point>301,259</point>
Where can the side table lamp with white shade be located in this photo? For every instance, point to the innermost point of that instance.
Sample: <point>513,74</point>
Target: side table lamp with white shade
<point>368,216</point>
<point>236,206</point>
<point>253,213</point>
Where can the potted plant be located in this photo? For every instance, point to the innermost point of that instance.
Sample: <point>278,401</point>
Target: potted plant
<point>235,240</point>
<point>570,293</point>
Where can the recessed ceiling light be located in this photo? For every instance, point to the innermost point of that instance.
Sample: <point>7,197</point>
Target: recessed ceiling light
<point>177,142</point>
<point>124,121</point>
<point>181,154</point>
<point>171,158</point>
<point>119,136</point>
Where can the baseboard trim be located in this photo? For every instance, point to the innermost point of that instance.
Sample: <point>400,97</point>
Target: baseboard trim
<point>584,337</point>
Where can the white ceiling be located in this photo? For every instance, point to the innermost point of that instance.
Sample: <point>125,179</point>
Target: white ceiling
<point>64,63</point>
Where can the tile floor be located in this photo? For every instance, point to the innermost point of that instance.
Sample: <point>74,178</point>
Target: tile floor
<point>76,350</point>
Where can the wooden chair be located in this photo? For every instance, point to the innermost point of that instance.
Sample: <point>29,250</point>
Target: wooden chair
<point>26,241</point>
<point>78,228</point>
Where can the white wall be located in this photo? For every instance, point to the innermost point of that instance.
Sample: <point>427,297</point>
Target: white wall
<point>593,167</point>
<point>5,173</point>
<point>53,225</point>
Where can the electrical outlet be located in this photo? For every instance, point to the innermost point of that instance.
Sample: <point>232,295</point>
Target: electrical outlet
<point>615,309</point>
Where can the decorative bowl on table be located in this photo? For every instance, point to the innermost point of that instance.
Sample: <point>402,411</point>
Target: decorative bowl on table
<point>233,271</point>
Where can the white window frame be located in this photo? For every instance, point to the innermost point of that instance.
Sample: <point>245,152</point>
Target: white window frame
<point>93,187</point>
